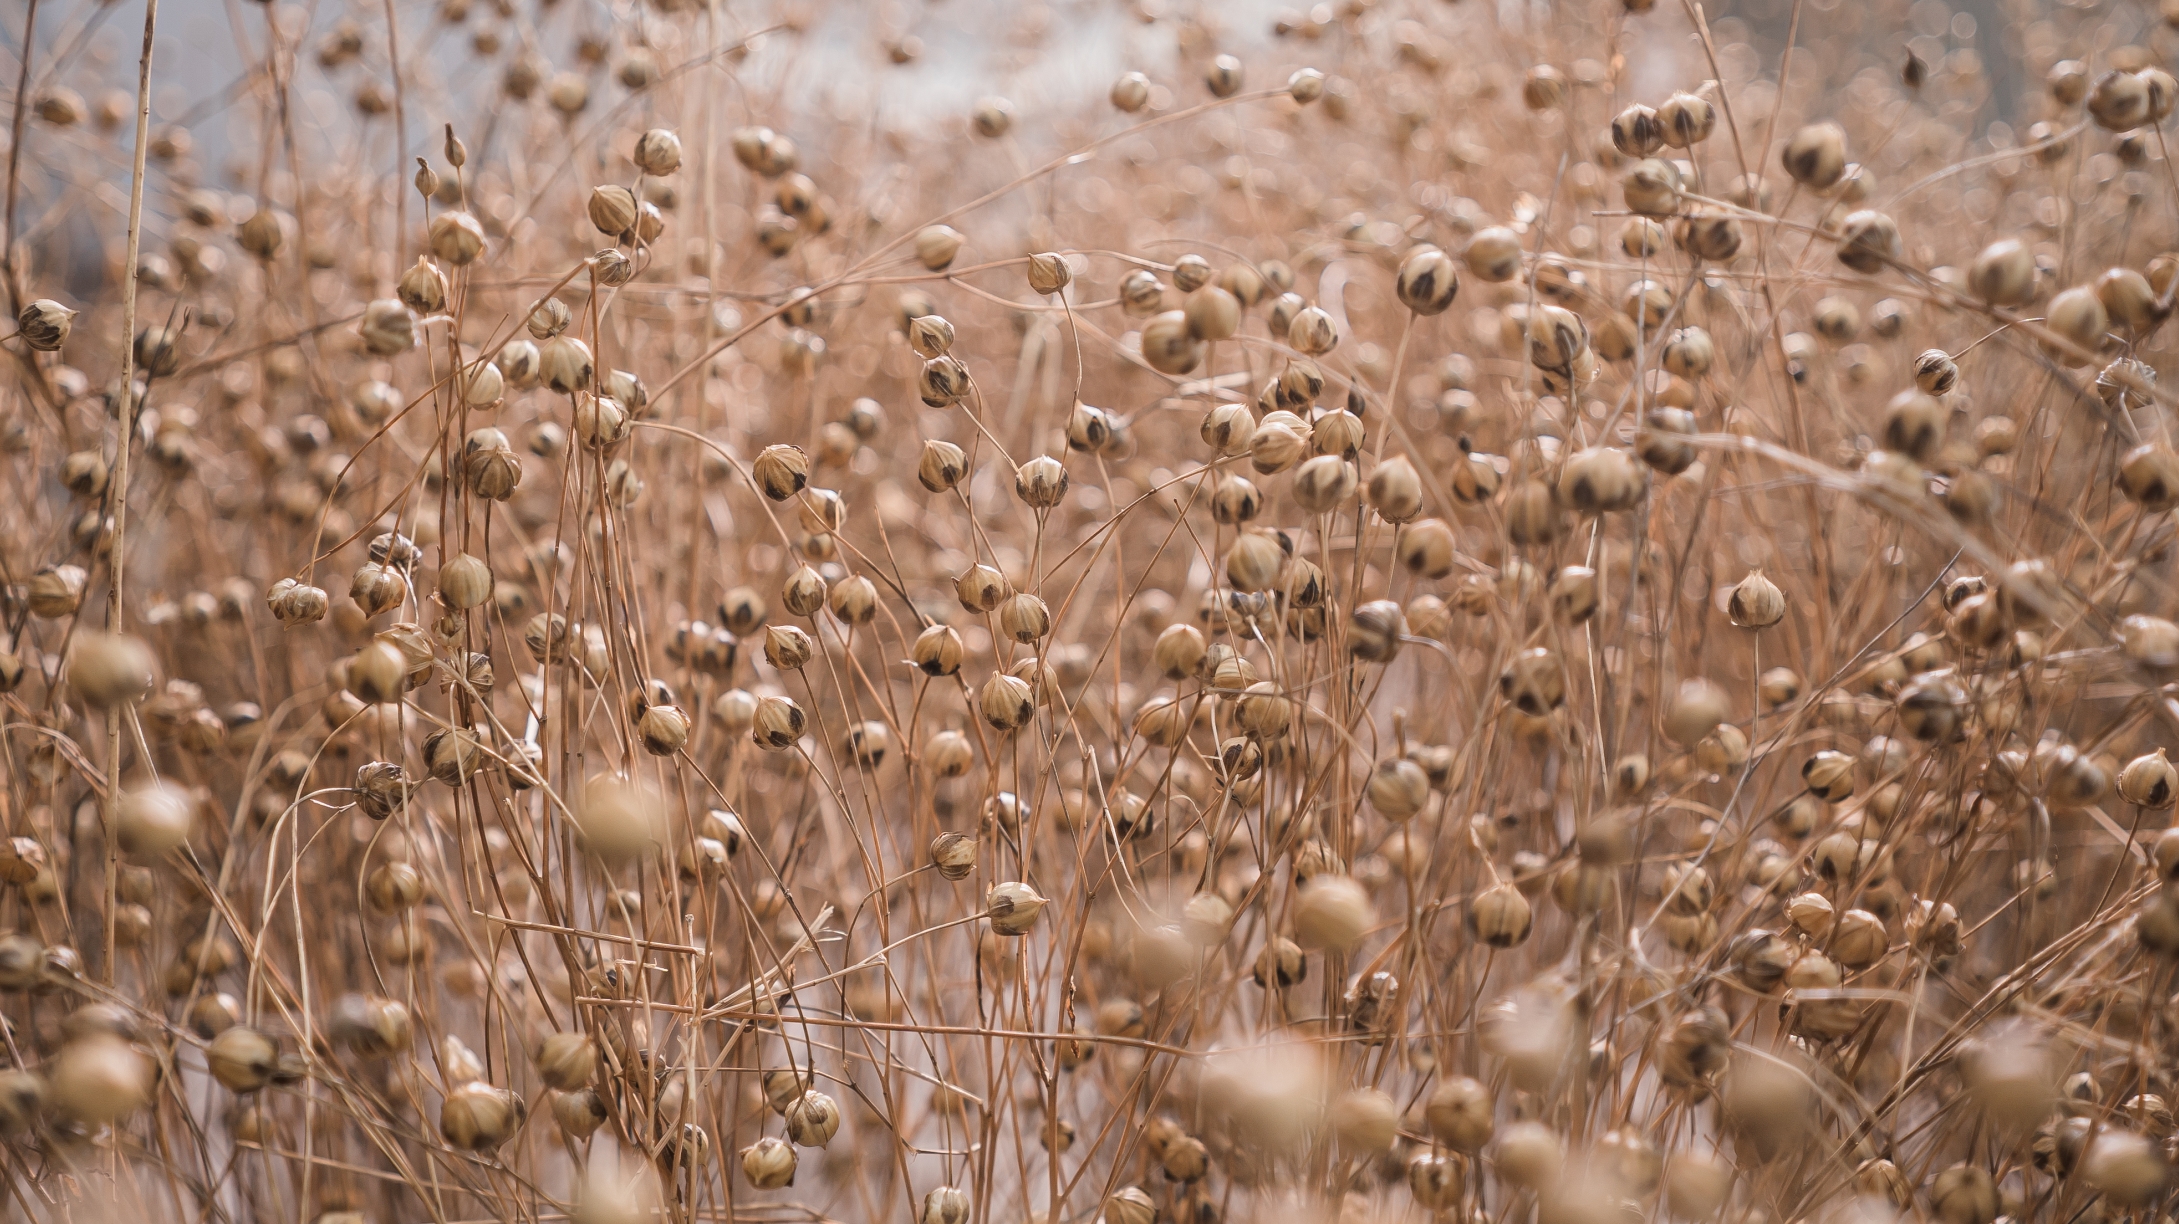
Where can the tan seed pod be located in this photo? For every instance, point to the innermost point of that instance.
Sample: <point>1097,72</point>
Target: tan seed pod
<point>476,1117</point>
<point>1013,908</point>
<point>1869,241</point>
<point>1493,254</point>
<point>769,1163</point>
<point>1756,602</point>
<point>1428,281</point>
<point>781,471</point>
<point>1636,132</point>
<point>45,324</point>
<point>1332,912</point>
<point>1815,155</point>
<point>2119,101</point>
<point>1224,76</point>
<point>1170,345</point>
<point>109,669</point>
<point>936,246</point>
<point>1041,483</point>
<point>242,1059</point>
<point>1686,120</point>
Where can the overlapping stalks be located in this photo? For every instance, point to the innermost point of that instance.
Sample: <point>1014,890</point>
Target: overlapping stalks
<point>1359,634</point>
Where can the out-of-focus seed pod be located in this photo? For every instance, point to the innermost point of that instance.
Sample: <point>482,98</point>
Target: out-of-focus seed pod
<point>1662,440</point>
<point>264,233</point>
<point>1461,1113</point>
<point>567,1061</point>
<point>1332,912</point>
<point>1530,1155</point>
<point>1964,1194</point>
<point>1533,682</point>
<point>1601,480</point>
<point>2119,101</point>
<point>154,819</point>
<point>1398,789</point>
<point>387,328</point>
<point>109,669</point>
<point>2149,476</point>
<point>1868,241</point>
<point>456,238</point>
<point>1494,254</point>
<point>1324,484</point>
<point>394,887</point>
<point>2003,273</point>
<point>1651,187</point>
<point>2078,317</point>
<point>579,1114</point>
<point>476,1117</point>
<point>2128,299</point>
<point>1131,92</point>
<point>99,1080</point>
<point>1573,594</point>
<point>1696,1184</point>
<point>1169,346</point>
<point>2125,1167</point>
<point>1543,88</point>
<point>1815,156</point>
<point>242,1059</point>
<point>1710,235</point>
<point>936,246</point>
<point>1697,707</point>
<point>1224,76</point>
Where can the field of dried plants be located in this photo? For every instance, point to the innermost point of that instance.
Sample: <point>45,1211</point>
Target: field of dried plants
<point>1418,612</point>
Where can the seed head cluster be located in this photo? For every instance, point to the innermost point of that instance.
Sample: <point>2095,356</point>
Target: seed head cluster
<point>1419,611</point>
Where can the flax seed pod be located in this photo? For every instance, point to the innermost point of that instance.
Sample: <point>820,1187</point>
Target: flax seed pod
<point>1815,156</point>
<point>1756,602</point>
<point>1395,490</point>
<point>777,724</point>
<point>1025,618</point>
<point>1332,912</point>
<point>1041,483</point>
<point>110,669</point>
<point>2149,476</point>
<point>2119,101</point>
<point>1636,132</point>
<point>1224,76</point>
<point>781,471</point>
<point>1493,254</point>
<point>2128,299</point>
<point>44,325</point>
<point>1428,281</point>
<point>1868,241</point>
<point>941,466</point>
<point>2149,781</point>
<point>1428,548</point>
<point>1006,702</point>
<point>1499,916</point>
<point>1324,484</point>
